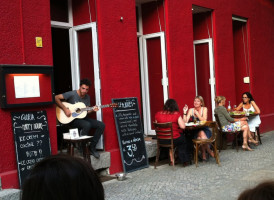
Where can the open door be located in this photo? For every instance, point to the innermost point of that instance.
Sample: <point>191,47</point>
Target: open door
<point>204,73</point>
<point>85,63</point>
<point>153,77</point>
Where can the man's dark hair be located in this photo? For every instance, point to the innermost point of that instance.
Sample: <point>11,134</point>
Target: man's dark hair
<point>85,81</point>
<point>171,106</point>
<point>62,177</point>
<point>263,191</point>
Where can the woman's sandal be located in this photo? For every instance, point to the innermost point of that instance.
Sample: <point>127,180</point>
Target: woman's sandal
<point>253,141</point>
<point>212,154</point>
<point>246,147</point>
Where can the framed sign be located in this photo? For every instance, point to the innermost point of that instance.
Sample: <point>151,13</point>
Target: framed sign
<point>31,138</point>
<point>22,85</point>
<point>130,134</point>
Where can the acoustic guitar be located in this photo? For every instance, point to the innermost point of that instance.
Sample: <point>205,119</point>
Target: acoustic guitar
<point>78,110</point>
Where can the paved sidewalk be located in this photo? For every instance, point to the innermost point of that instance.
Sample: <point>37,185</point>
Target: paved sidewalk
<point>238,171</point>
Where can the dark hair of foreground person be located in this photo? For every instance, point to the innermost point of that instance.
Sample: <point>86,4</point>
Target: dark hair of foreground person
<point>263,191</point>
<point>62,177</point>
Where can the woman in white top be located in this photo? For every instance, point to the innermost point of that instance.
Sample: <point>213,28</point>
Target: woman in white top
<point>199,113</point>
<point>248,105</point>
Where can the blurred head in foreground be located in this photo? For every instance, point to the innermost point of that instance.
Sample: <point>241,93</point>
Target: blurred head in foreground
<point>62,177</point>
<point>263,191</point>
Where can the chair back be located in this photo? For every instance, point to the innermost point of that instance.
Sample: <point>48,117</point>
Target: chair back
<point>218,122</point>
<point>213,126</point>
<point>164,135</point>
<point>163,130</point>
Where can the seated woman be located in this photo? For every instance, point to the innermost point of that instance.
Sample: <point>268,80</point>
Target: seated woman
<point>230,124</point>
<point>249,105</point>
<point>170,113</point>
<point>199,113</point>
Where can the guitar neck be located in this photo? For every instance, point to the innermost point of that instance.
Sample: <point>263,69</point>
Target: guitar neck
<point>91,108</point>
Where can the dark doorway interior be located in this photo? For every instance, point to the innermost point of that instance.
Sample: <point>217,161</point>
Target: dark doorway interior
<point>61,60</point>
<point>62,68</point>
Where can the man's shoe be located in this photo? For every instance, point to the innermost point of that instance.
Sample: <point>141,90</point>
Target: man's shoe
<point>94,153</point>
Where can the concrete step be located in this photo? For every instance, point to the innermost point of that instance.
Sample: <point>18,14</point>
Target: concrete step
<point>101,163</point>
<point>10,194</point>
<point>151,147</point>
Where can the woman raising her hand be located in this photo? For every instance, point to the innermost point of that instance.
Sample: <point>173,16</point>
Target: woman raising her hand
<point>199,113</point>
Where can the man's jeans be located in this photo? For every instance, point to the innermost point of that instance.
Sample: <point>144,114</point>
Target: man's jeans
<point>86,124</point>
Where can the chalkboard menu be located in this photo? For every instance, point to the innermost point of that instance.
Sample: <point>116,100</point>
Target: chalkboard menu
<point>130,134</point>
<point>31,138</point>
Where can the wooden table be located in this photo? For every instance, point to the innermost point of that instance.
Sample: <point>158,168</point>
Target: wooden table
<point>242,115</point>
<point>194,126</point>
<point>84,142</point>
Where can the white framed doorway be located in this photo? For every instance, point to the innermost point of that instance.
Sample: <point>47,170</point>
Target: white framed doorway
<point>154,76</point>
<point>204,73</point>
<point>84,56</point>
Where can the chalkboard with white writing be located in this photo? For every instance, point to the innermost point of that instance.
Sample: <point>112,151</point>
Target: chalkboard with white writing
<point>130,134</point>
<point>31,138</point>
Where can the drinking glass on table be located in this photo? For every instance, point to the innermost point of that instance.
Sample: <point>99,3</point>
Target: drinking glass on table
<point>234,107</point>
<point>195,120</point>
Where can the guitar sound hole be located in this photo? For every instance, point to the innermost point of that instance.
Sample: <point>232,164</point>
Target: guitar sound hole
<point>78,110</point>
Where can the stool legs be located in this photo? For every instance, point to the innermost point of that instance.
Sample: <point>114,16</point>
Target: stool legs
<point>196,154</point>
<point>86,153</point>
<point>157,156</point>
<point>84,145</point>
<point>236,141</point>
<point>70,149</point>
<point>258,134</point>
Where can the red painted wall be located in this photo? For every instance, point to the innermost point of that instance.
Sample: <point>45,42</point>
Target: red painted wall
<point>180,50</point>
<point>260,14</point>
<point>153,17</point>
<point>241,65</point>
<point>84,11</point>
<point>202,26</point>
<point>180,57</point>
<point>22,21</point>
<point>119,65</point>
<point>155,76</point>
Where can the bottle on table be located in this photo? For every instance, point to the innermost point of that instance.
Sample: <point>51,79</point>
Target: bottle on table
<point>229,107</point>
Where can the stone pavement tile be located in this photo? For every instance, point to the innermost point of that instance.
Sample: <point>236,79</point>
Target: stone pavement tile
<point>238,171</point>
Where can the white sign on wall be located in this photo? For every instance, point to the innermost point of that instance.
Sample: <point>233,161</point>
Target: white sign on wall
<point>26,86</point>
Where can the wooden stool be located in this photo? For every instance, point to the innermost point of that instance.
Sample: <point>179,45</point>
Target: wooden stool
<point>79,141</point>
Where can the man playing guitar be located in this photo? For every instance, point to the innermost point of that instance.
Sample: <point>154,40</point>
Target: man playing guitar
<point>86,123</point>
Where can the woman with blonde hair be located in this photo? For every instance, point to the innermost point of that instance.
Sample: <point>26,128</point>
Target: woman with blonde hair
<point>230,124</point>
<point>199,113</point>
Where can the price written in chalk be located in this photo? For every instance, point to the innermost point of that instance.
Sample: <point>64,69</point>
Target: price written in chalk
<point>130,149</point>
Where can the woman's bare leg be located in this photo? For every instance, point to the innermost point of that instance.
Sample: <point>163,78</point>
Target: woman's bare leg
<point>245,130</point>
<point>205,147</point>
